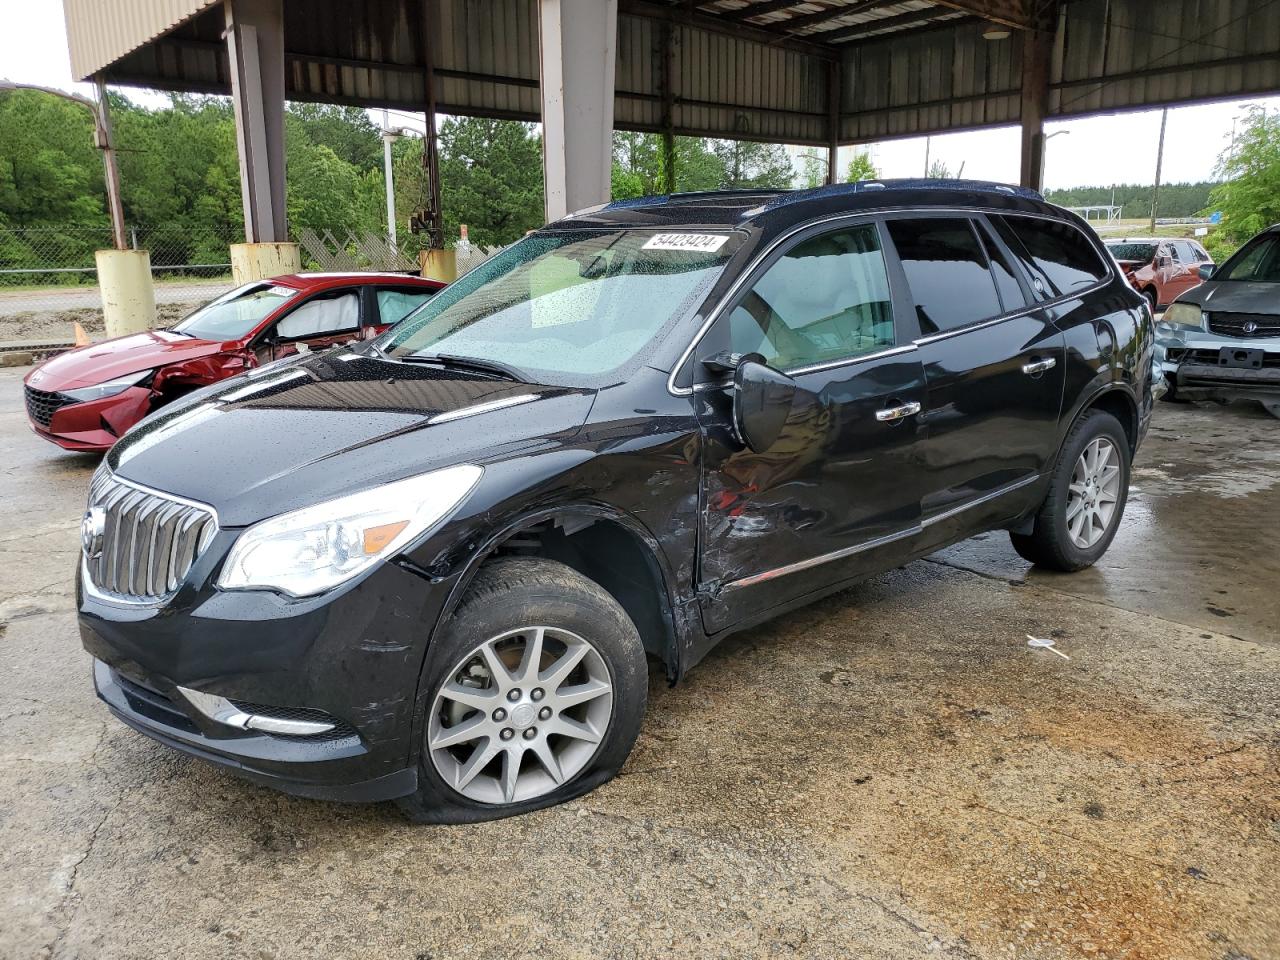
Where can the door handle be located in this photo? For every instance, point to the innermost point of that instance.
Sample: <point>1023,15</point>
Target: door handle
<point>892,414</point>
<point>1039,366</point>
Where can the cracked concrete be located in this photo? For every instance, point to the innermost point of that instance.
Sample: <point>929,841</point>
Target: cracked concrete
<point>890,774</point>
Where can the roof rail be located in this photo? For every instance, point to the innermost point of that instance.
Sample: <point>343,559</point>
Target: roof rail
<point>906,183</point>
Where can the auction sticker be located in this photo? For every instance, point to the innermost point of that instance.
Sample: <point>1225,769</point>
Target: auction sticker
<point>700,242</point>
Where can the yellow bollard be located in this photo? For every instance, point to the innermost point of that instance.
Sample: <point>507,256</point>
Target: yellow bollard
<point>128,294</point>
<point>261,261</point>
<point>439,265</point>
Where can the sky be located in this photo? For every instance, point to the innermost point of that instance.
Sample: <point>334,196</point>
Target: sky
<point>1097,151</point>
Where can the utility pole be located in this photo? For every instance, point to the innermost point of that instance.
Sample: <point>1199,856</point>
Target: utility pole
<point>927,141</point>
<point>105,143</point>
<point>1155,191</point>
<point>388,138</point>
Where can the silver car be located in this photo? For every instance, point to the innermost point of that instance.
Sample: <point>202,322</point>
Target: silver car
<point>1221,340</point>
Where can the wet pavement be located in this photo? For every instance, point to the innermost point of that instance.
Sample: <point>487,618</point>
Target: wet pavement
<point>891,773</point>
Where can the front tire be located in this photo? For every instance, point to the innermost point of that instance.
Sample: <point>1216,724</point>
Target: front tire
<point>1086,498</point>
<point>536,691</point>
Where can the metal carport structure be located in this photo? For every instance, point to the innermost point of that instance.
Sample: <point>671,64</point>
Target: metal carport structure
<point>815,72</point>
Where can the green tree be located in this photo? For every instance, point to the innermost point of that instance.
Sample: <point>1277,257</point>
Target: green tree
<point>813,169</point>
<point>938,170</point>
<point>861,168</point>
<point>1176,199</point>
<point>639,169</point>
<point>753,166</point>
<point>490,179</point>
<point>1250,198</point>
<point>50,172</point>
<point>347,131</point>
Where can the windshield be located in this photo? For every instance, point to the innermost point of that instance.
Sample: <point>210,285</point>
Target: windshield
<point>1258,261</point>
<point>566,307</point>
<point>1142,252</point>
<point>234,315</point>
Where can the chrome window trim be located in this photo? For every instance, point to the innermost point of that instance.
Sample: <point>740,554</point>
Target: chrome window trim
<point>894,212</point>
<point>849,361</point>
<point>888,538</point>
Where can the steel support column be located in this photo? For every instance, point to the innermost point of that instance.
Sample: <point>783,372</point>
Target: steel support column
<point>1037,54</point>
<point>255,52</point>
<point>666,54</point>
<point>834,93</point>
<point>578,43</point>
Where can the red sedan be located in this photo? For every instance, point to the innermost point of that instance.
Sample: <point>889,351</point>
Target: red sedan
<point>87,398</point>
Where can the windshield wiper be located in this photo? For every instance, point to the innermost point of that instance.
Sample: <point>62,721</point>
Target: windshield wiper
<point>491,367</point>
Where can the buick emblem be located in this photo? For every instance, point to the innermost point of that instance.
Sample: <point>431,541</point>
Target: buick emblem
<point>91,529</point>
<point>1250,327</point>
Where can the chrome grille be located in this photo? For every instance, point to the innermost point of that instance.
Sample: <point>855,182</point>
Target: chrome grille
<point>1234,324</point>
<point>148,540</point>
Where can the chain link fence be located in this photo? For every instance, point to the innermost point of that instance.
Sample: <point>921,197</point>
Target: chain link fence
<point>49,281</point>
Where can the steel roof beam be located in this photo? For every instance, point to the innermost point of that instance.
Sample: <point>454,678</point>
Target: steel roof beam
<point>857,30</point>
<point>717,24</point>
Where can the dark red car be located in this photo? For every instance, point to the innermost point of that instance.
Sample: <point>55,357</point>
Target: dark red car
<point>85,399</point>
<point>1160,268</point>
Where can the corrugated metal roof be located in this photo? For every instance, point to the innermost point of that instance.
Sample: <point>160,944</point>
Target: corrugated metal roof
<point>909,67</point>
<point>100,32</point>
<point>1110,55</point>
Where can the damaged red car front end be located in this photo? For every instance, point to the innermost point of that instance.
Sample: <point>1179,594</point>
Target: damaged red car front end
<point>85,399</point>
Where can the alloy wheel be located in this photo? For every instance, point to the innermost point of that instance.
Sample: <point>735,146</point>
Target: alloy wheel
<point>1094,493</point>
<point>521,714</point>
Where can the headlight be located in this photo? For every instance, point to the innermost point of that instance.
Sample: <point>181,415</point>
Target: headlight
<point>1186,315</point>
<point>315,549</point>
<point>108,389</point>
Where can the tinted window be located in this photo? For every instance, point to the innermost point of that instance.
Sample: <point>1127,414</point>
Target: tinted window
<point>395,305</point>
<point>825,299</point>
<point>1062,253</point>
<point>946,270</point>
<point>1258,261</point>
<point>1133,251</point>
<point>1011,295</point>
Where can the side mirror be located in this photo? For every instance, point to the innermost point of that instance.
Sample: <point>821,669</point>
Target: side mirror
<point>762,400</point>
<point>1206,271</point>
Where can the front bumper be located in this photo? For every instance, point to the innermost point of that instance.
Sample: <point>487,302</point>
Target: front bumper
<point>354,655</point>
<point>93,426</point>
<point>1188,361</point>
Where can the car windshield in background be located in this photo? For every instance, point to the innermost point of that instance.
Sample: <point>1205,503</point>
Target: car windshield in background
<point>1258,262</point>
<point>566,306</point>
<point>1138,252</point>
<point>235,314</point>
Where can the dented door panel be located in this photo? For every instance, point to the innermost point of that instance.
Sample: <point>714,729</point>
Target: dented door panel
<point>838,480</point>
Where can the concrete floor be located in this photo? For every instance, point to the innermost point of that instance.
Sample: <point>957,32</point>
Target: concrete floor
<point>892,773</point>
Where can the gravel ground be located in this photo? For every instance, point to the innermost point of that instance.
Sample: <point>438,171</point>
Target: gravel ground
<point>891,773</point>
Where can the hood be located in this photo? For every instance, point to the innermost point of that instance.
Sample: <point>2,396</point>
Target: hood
<point>100,362</point>
<point>291,435</point>
<point>1235,296</point>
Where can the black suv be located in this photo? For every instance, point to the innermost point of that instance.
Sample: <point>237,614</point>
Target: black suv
<point>430,567</point>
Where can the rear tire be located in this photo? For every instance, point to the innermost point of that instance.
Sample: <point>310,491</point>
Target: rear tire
<point>1061,539</point>
<point>535,727</point>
